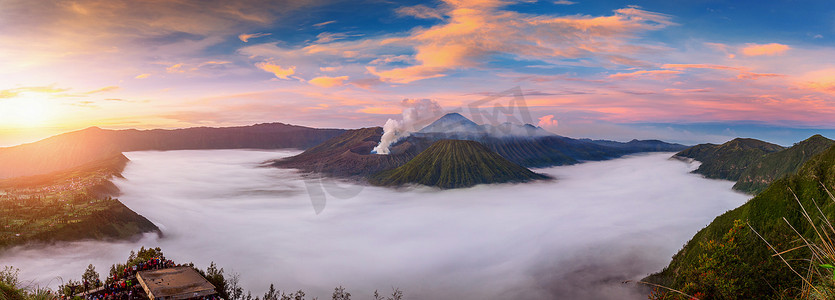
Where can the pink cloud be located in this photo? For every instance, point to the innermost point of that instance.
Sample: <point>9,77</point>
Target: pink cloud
<point>548,121</point>
<point>699,66</point>
<point>658,74</point>
<point>755,76</point>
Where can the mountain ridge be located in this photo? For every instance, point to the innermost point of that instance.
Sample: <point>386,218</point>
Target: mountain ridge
<point>349,155</point>
<point>753,164</point>
<point>728,160</point>
<point>68,150</point>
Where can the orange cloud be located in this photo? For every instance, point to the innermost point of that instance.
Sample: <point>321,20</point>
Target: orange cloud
<point>245,37</point>
<point>765,49</point>
<point>143,76</point>
<point>276,69</point>
<point>104,89</point>
<point>658,74</point>
<point>381,110</point>
<point>177,68</point>
<point>820,80</point>
<point>476,29</point>
<point>408,74</point>
<point>326,82</point>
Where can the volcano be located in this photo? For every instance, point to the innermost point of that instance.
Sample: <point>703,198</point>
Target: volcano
<point>451,164</point>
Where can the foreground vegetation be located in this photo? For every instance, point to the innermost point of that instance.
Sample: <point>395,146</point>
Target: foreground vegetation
<point>734,257</point>
<point>71,205</point>
<point>227,285</point>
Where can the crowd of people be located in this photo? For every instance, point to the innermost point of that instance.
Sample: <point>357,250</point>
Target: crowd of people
<point>123,285</point>
<point>152,264</point>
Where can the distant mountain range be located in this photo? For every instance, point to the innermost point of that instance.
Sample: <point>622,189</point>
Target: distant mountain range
<point>338,152</point>
<point>752,163</point>
<point>349,155</point>
<point>455,164</point>
<point>801,178</point>
<point>76,148</point>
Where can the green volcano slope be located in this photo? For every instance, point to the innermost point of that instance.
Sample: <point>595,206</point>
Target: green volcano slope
<point>451,164</point>
<point>758,274</point>
<point>729,160</point>
<point>780,164</point>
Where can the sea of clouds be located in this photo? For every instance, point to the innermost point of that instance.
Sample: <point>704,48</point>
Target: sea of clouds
<point>577,237</point>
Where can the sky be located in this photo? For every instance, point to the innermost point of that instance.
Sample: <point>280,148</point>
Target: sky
<point>687,71</point>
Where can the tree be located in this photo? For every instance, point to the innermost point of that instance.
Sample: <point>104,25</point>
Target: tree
<point>340,294</point>
<point>9,276</point>
<point>9,283</point>
<point>91,276</point>
<point>215,276</point>
<point>233,288</point>
<point>272,294</point>
<point>70,288</point>
<point>397,294</point>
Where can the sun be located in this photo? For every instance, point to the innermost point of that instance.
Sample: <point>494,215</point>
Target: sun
<point>25,110</point>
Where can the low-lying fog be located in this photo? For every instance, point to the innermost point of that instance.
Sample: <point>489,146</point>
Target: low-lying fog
<point>577,237</point>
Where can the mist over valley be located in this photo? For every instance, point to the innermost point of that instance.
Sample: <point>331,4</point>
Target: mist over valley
<point>576,237</point>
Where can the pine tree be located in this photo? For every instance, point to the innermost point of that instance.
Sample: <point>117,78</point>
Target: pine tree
<point>340,294</point>
<point>90,275</point>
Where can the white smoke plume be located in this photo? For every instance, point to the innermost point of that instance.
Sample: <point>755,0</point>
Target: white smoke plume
<point>417,114</point>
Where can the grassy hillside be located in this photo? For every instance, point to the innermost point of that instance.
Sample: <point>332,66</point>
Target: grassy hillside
<point>456,164</point>
<point>729,160</point>
<point>767,277</point>
<point>780,164</point>
<point>71,205</point>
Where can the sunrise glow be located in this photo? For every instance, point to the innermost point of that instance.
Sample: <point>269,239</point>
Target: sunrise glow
<point>74,64</point>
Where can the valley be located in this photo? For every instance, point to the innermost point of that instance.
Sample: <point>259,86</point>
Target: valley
<point>525,241</point>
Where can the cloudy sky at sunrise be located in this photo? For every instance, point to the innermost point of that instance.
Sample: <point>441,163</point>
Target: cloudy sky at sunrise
<point>685,71</point>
